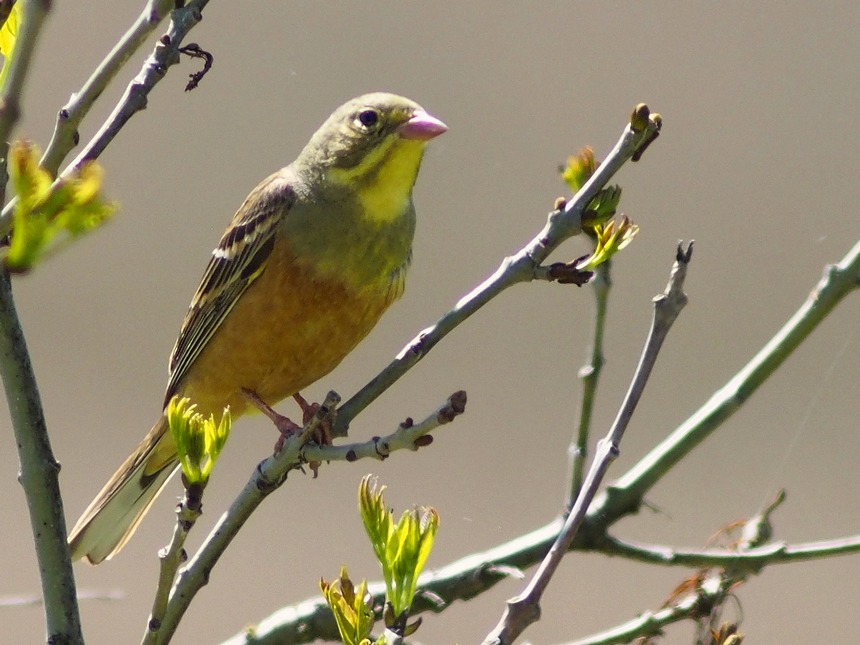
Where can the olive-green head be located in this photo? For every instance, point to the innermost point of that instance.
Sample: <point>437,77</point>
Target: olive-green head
<point>368,132</point>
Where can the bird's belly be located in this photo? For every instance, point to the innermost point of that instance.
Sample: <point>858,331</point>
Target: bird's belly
<point>289,329</point>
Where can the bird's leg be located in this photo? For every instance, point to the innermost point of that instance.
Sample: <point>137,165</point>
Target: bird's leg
<point>323,433</point>
<point>284,425</point>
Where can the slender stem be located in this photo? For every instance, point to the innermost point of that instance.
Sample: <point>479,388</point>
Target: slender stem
<point>270,475</point>
<point>65,135</point>
<point>38,475</point>
<point>524,609</point>
<point>521,267</point>
<point>746,561</point>
<point>589,374</point>
<point>134,99</point>
<point>171,558</point>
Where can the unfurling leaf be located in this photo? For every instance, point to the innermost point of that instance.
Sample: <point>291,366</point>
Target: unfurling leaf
<point>352,608</point>
<point>401,549</point>
<point>609,239</point>
<point>198,440</point>
<point>47,213</point>
<point>579,168</point>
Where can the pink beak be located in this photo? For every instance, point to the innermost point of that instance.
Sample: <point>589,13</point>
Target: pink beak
<point>422,127</point>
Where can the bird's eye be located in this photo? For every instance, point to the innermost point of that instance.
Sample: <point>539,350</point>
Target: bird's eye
<point>368,118</point>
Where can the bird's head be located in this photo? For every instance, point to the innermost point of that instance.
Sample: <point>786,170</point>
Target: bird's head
<point>371,143</point>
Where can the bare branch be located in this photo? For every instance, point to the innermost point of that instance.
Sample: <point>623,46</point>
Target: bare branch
<point>523,266</point>
<point>524,609</point>
<point>744,561</point>
<point>270,475</point>
<point>133,100</point>
<point>65,135</point>
<point>408,436</point>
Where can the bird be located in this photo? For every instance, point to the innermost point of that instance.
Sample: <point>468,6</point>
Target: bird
<point>307,266</point>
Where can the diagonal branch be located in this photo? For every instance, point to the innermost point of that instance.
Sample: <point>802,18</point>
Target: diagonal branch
<point>269,475</point>
<point>523,266</point>
<point>133,100</point>
<point>65,135</point>
<point>523,610</point>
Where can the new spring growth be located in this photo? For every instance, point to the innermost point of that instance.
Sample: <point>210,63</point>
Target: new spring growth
<point>401,548</point>
<point>609,239</point>
<point>352,608</point>
<point>610,236</point>
<point>198,440</point>
<point>50,214</point>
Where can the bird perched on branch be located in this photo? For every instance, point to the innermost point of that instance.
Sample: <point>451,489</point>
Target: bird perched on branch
<point>310,261</point>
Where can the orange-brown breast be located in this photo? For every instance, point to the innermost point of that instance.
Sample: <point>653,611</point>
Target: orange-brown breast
<point>290,328</point>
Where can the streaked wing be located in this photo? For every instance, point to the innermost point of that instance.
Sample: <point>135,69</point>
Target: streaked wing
<point>238,260</point>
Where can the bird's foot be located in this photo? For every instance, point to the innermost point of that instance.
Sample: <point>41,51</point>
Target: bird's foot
<point>287,428</point>
<point>322,435</point>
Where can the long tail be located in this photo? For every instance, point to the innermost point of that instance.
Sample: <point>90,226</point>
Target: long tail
<point>113,516</point>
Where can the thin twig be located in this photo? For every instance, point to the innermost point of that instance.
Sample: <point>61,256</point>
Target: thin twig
<point>38,475</point>
<point>710,594</point>
<point>171,558</point>
<point>271,474</point>
<point>408,436</point>
<point>193,50</point>
<point>744,561</point>
<point>65,135</point>
<point>589,374</point>
<point>523,266</point>
<point>524,609</point>
<point>134,99</point>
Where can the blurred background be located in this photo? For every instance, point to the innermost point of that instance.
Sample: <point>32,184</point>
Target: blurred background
<point>757,162</point>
